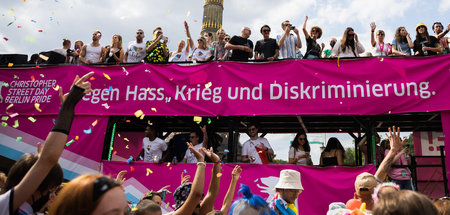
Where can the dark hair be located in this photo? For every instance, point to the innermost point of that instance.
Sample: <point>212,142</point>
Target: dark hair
<point>436,23</point>
<point>24,164</point>
<point>295,144</point>
<point>150,195</point>
<point>419,38</point>
<point>346,42</point>
<point>157,28</point>
<point>66,41</point>
<point>261,30</point>
<point>333,143</point>
<point>145,206</point>
<point>405,202</point>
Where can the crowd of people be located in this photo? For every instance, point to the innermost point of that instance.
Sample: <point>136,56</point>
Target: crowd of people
<point>33,184</point>
<point>240,48</point>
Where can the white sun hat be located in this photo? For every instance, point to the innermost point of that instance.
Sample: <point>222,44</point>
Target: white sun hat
<point>289,179</point>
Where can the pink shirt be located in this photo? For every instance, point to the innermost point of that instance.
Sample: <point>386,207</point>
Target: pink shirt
<point>396,172</point>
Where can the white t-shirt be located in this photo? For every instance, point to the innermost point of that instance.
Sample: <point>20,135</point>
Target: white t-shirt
<point>249,149</point>
<point>179,57</point>
<point>380,49</point>
<point>200,54</point>
<point>136,52</point>
<point>153,149</point>
<point>5,200</point>
<point>190,157</point>
<point>295,153</point>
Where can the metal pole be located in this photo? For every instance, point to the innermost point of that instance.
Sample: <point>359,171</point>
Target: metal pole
<point>444,170</point>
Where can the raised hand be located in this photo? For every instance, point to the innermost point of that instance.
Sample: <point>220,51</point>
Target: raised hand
<point>236,172</point>
<point>373,26</point>
<point>185,179</point>
<point>394,139</point>
<point>79,82</point>
<point>203,128</point>
<point>211,155</point>
<point>120,179</point>
<point>197,154</point>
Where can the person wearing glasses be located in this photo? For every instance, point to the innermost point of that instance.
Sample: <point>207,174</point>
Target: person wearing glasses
<point>115,53</point>
<point>349,45</point>
<point>379,47</point>
<point>219,53</point>
<point>157,50</point>
<point>209,38</point>
<point>288,43</point>
<point>402,43</point>
<point>180,55</point>
<point>136,49</point>
<point>424,44</point>
<point>194,138</point>
<point>241,46</point>
<point>200,52</point>
<point>256,150</point>
<point>313,49</point>
<point>439,33</point>
<point>267,48</point>
<point>152,146</point>
<point>299,150</point>
<point>93,52</point>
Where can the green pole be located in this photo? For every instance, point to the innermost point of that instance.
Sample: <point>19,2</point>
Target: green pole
<point>112,141</point>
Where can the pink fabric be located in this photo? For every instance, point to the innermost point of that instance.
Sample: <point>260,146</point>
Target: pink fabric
<point>321,185</point>
<point>396,172</point>
<point>286,87</point>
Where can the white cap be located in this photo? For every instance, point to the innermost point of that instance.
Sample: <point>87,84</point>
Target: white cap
<point>289,179</point>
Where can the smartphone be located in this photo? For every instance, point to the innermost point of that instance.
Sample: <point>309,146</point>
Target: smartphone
<point>292,27</point>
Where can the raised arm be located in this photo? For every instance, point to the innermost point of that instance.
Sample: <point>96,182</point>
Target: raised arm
<point>152,46</point>
<point>190,42</point>
<point>207,204</point>
<point>228,200</point>
<point>305,32</point>
<point>205,135</point>
<point>197,185</point>
<point>442,34</point>
<point>54,144</point>
<point>372,37</point>
<point>396,144</point>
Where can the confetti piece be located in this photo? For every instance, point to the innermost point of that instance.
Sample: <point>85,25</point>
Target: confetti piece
<point>6,39</point>
<point>19,26</point>
<point>130,159</point>
<point>30,39</point>
<point>56,88</point>
<point>167,205</point>
<point>70,142</point>
<point>185,171</point>
<point>42,75</point>
<point>155,157</point>
<point>4,118</point>
<point>147,70</point>
<point>151,54</point>
<point>5,84</point>
<point>127,147</point>
<point>260,152</point>
<point>106,76</point>
<point>36,105</point>
<point>33,120</point>
<point>111,148</point>
<point>149,171</point>
<point>170,168</point>
<point>32,78</point>
<point>209,121</point>
<point>125,70</point>
<point>149,122</point>
<point>43,57</point>
<point>219,175</point>
<point>19,139</point>
<point>53,120</point>
<point>127,120</point>
<point>381,59</point>
<point>16,124</point>
<point>170,11</point>
<point>188,13</point>
<point>140,157</point>
<point>40,31</point>
<point>9,24</point>
<point>131,169</point>
<point>92,78</point>
<point>13,115</point>
<point>208,85</point>
<point>338,62</point>
<point>168,163</point>
<point>138,113</point>
<point>195,20</point>
<point>106,105</point>
<point>109,89</point>
<point>154,109</point>
<point>340,102</point>
<point>77,137</point>
<point>197,118</point>
<point>16,77</point>
<point>4,124</point>
<point>115,152</point>
<point>255,180</point>
<point>126,139</point>
<point>94,123</point>
<point>226,150</point>
<point>88,131</point>
<point>10,64</point>
<point>34,21</point>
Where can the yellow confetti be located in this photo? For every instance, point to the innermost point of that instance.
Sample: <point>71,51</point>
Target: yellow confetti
<point>134,209</point>
<point>138,113</point>
<point>11,11</point>
<point>106,76</point>
<point>77,137</point>
<point>168,163</point>
<point>10,64</point>
<point>9,106</point>
<point>16,124</point>
<point>149,171</point>
<point>111,148</point>
<point>33,120</point>
<point>382,59</point>
<point>170,11</point>
<point>94,123</point>
<point>126,139</point>
<point>127,147</point>
<point>36,105</point>
<point>260,152</point>
<point>219,175</point>
<point>243,9</point>
<point>188,13</point>
<point>56,88</point>
<point>208,85</point>
<point>197,118</point>
<point>150,122</point>
<point>142,116</point>
<point>154,109</point>
<point>389,112</point>
<point>340,102</point>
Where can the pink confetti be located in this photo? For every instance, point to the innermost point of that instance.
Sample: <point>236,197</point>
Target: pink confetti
<point>6,39</point>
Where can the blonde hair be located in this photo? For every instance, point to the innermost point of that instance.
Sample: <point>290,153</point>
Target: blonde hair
<point>119,46</point>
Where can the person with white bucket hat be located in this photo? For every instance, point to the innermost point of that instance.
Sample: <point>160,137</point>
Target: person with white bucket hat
<point>288,188</point>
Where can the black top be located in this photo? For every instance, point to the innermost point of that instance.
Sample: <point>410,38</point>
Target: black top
<point>266,48</point>
<point>330,161</point>
<point>418,45</point>
<point>111,59</point>
<point>312,48</point>
<point>239,55</point>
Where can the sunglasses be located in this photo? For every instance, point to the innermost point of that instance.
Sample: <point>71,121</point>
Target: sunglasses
<point>363,189</point>
<point>199,40</point>
<point>139,32</point>
<point>266,30</point>
<point>301,138</point>
<point>287,25</point>
<point>380,34</point>
<point>226,39</point>
<point>314,31</point>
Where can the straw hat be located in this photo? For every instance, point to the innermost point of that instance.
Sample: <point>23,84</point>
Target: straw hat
<point>289,179</point>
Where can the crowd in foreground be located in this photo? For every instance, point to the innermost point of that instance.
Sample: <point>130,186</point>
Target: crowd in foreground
<point>35,179</point>
<point>240,48</point>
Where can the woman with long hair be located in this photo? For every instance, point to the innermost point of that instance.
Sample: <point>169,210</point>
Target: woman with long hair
<point>313,49</point>
<point>402,43</point>
<point>199,52</point>
<point>299,150</point>
<point>333,154</point>
<point>115,53</point>
<point>379,47</point>
<point>349,45</point>
<point>424,44</point>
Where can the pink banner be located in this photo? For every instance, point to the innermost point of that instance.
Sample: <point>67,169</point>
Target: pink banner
<point>355,86</point>
<point>321,185</point>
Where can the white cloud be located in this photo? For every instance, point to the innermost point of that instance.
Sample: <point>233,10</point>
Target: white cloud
<point>444,6</point>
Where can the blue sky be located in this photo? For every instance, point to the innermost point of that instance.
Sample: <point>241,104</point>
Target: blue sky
<point>77,19</point>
